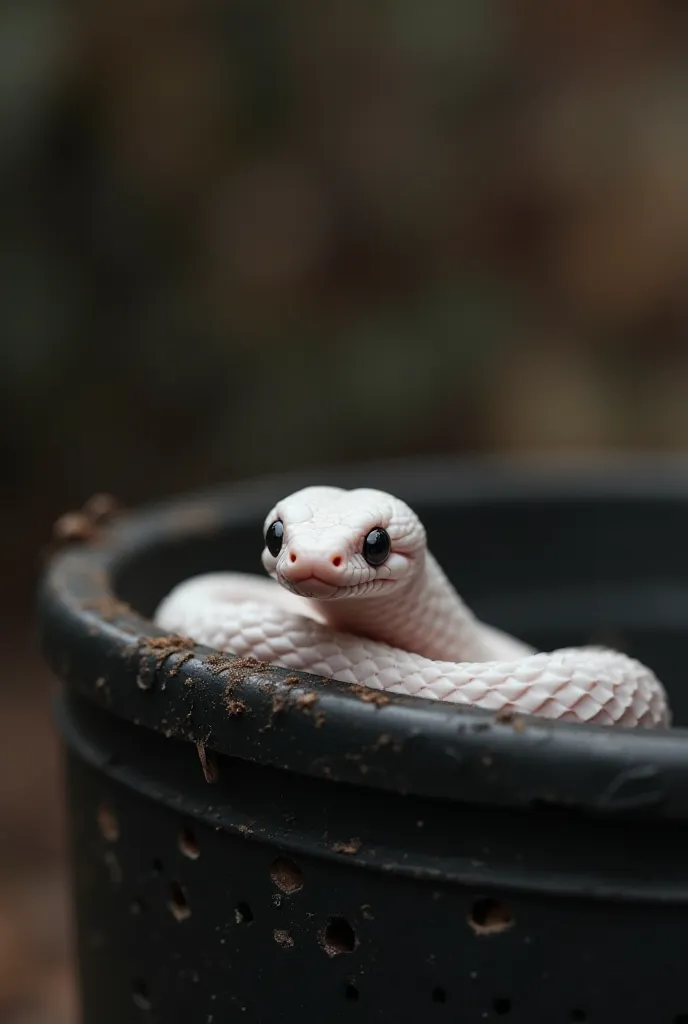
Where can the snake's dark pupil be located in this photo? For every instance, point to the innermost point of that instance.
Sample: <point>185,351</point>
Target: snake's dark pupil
<point>376,546</point>
<point>273,537</point>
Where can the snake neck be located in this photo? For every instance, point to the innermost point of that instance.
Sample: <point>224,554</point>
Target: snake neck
<point>426,617</point>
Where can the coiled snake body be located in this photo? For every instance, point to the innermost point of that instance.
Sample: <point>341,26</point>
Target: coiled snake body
<point>362,599</point>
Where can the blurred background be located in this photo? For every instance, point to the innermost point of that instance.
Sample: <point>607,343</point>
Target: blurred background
<point>242,236</point>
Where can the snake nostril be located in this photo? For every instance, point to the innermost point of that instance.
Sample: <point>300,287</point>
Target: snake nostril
<point>292,557</point>
<point>337,561</point>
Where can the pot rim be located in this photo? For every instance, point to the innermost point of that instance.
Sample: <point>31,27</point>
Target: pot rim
<point>101,650</point>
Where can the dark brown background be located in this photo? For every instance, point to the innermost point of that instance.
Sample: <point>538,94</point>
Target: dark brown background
<point>246,236</point>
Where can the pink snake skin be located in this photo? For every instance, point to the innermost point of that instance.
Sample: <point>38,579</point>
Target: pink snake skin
<point>398,626</point>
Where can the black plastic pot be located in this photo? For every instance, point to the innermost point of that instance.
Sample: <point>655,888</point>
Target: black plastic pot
<point>251,847</point>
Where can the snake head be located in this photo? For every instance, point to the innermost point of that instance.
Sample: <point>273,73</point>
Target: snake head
<point>327,543</point>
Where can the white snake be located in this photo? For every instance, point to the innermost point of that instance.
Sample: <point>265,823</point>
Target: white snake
<point>363,600</point>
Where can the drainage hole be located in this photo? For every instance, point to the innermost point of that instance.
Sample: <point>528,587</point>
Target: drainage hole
<point>139,993</point>
<point>178,903</point>
<point>107,823</point>
<point>351,992</point>
<point>502,1007</point>
<point>286,875</point>
<point>188,845</point>
<point>581,1015</point>
<point>489,917</point>
<point>439,995</point>
<point>338,936</point>
<point>157,866</point>
<point>243,913</point>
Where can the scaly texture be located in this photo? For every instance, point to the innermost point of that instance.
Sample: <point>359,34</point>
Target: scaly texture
<point>399,626</point>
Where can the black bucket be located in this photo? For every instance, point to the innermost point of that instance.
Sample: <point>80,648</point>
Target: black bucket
<point>250,845</point>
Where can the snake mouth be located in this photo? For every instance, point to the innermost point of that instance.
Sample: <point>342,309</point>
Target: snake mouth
<point>314,587</point>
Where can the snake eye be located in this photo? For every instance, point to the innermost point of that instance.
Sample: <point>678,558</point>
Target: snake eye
<point>273,537</point>
<point>376,546</point>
